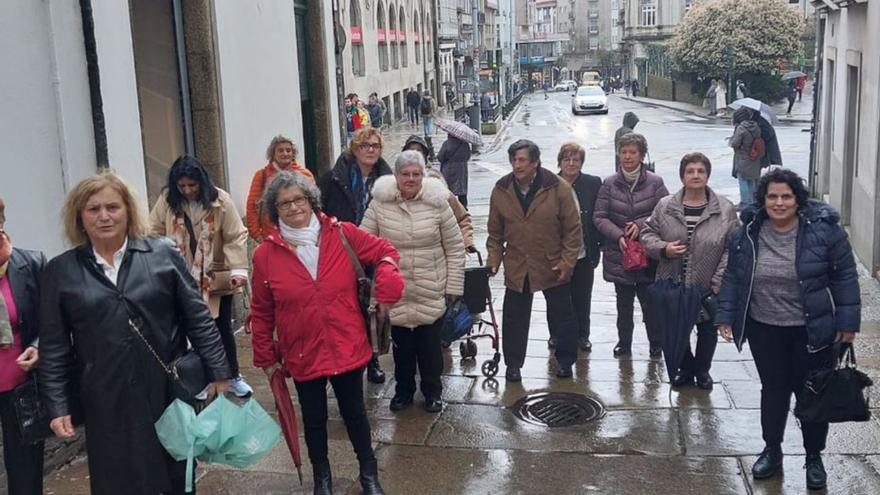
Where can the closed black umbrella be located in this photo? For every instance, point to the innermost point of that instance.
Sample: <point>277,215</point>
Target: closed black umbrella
<point>675,308</point>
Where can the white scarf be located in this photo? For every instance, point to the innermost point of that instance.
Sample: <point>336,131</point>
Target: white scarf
<point>632,178</point>
<point>305,241</point>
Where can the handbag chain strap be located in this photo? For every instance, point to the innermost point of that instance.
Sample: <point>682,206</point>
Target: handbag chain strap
<point>169,370</point>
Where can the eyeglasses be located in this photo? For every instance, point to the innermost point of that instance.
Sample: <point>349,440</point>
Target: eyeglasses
<point>370,146</point>
<point>298,201</point>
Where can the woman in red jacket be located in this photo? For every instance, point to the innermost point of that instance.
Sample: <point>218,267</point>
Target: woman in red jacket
<point>305,316</point>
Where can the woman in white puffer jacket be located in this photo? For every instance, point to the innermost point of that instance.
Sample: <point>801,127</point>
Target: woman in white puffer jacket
<point>412,211</point>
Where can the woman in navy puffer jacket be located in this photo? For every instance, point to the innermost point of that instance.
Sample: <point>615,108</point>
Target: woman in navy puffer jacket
<point>791,288</point>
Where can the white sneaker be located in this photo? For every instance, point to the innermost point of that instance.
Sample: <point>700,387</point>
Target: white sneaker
<point>240,387</point>
<point>203,395</point>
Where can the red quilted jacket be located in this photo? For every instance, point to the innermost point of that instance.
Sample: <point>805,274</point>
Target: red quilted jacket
<point>314,327</point>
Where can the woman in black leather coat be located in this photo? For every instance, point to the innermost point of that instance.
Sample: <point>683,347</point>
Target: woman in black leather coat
<point>91,357</point>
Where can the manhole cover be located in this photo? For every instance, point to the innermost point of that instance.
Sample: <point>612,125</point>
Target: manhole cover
<point>555,409</point>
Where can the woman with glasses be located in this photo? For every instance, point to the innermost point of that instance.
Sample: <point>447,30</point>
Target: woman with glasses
<point>306,320</point>
<point>346,191</point>
<point>413,213</point>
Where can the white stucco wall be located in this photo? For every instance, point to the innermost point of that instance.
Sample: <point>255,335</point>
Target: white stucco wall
<point>46,139</point>
<point>259,92</point>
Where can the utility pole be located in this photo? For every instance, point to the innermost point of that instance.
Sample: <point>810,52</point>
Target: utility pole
<point>475,55</point>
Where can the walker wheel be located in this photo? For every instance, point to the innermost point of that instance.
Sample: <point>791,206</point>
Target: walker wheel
<point>490,368</point>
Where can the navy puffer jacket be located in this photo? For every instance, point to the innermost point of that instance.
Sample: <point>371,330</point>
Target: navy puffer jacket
<point>825,268</point>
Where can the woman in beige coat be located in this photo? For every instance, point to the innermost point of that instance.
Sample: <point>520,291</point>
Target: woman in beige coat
<point>413,213</point>
<point>688,233</point>
<point>202,221</point>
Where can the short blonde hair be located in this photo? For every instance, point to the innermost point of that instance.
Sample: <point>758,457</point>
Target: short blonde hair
<point>71,213</point>
<point>270,151</point>
<point>361,137</point>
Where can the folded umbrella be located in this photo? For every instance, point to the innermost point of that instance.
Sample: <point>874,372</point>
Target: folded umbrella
<point>287,417</point>
<point>675,308</point>
<point>793,75</point>
<point>460,130</point>
<point>757,105</point>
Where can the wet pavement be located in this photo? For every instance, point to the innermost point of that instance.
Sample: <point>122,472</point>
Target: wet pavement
<point>651,439</point>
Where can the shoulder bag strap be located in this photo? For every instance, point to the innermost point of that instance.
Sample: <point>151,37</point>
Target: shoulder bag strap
<point>135,328</point>
<point>351,256</point>
<point>193,242</point>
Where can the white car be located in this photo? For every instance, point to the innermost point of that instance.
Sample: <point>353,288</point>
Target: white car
<point>589,99</point>
<point>561,86</point>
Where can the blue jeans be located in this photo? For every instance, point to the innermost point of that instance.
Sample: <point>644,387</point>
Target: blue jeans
<point>428,122</point>
<point>747,189</point>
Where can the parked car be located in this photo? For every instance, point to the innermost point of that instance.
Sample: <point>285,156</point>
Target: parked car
<point>565,85</point>
<point>589,99</point>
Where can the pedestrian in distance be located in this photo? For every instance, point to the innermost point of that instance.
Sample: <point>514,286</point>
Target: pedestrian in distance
<point>202,221</point>
<point>721,98</point>
<point>413,99</point>
<point>801,83</point>
<point>104,304</point>
<point>462,216</point>
<point>626,200</point>
<point>281,155</point>
<point>454,156</point>
<point>450,99</point>
<point>791,93</point>
<point>772,155</point>
<point>486,107</point>
<point>791,289</point>
<point>535,231</point>
<point>746,154</point>
<point>687,234</point>
<point>630,120</point>
<point>426,109</point>
<point>302,273</point>
<point>741,91</point>
<point>711,98</point>
<point>627,86</point>
<point>352,117</point>
<point>20,271</point>
<point>413,213</point>
<point>364,115</point>
<point>346,192</point>
<point>570,161</point>
<point>376,109</point>
<point>635,88</point>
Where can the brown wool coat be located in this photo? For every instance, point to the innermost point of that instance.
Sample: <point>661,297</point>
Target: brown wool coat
<point>532,244</point>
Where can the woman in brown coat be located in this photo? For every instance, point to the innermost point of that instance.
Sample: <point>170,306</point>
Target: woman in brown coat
<point>688,234</point>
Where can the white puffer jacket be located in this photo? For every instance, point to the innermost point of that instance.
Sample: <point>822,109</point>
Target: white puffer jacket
<point>431,248</point>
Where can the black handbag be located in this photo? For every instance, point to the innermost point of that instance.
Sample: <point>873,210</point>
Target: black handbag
<point>33,421</point>
<point>835,395</point>
<point>187,373</point>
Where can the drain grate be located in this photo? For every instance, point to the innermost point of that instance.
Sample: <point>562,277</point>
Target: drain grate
<point>556,409</point>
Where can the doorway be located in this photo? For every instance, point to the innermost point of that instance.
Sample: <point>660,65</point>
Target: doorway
<point>850,146</point>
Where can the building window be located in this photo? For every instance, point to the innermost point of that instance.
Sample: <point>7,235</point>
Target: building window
<point>358,66</point>
<point>417,32</point>
<point>649,13</point>
<point>392,33</point>
<point>382,36</point>
<point>401,38</point>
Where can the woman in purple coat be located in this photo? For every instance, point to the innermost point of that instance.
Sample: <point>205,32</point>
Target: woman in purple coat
<point>626,199</point>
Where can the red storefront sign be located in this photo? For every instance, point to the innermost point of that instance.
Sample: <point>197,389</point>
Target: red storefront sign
<point>392,34</point>
<point>357,36</point>
<point>380,34</point>
<point>401,36</point>
<point>416,36</point>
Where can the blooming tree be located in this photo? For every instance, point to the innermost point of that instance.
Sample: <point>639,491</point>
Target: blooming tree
<point>753,34</point>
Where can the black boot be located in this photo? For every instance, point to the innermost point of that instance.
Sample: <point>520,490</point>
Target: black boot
<point>374,372</point>
<point>323,480</point>
<point>816,477</point>
<point>369,478</point>
<point>768,462</point>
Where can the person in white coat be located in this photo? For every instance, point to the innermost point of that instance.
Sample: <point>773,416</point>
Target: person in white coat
<point>721,97</point>
<point>412,211</point>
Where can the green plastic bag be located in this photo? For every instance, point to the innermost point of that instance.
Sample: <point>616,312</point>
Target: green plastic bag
<point>223,432</point>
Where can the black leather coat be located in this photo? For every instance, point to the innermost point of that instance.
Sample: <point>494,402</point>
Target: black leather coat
<point>24,280</point>
<point>88,349</point>
<point>586,187</point>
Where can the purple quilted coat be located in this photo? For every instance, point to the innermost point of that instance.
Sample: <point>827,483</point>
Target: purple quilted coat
<point>616,206</point>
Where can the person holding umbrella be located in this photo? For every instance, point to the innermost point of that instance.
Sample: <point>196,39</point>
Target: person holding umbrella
<point>302,273</point>
<point>454,156</point>
<point>687,234</point>
<point>791,288</point>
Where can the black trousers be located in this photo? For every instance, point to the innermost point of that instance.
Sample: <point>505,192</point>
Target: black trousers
<point>701,360</point>
<point>515,329</point>
<point>413,115</point>
<point>582,295</point>
<point>414,348</point>
<point>24,463</point>
<point>783,361</point>
<point>224,324</point>
<point>626,295</point>
<point>349,390</point>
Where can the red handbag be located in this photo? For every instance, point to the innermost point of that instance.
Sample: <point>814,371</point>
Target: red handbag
<point>634,256</point>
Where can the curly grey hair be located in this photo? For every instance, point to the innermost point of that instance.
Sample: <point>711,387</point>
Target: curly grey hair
<point>631,138</point>
<point>283,180</point>
<point>407,158</point>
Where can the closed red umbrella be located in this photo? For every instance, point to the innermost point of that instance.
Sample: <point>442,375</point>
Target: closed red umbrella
<point>287,417</point>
